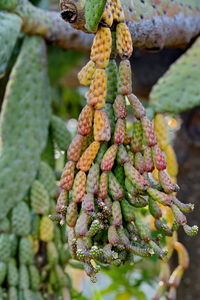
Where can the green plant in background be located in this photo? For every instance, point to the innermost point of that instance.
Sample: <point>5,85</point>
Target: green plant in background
<point>34,250</point>
<point>178,89</point>
<point>12,24</point>
<point>29,239</point>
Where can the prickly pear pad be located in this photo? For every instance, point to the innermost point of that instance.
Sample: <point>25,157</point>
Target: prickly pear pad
<point>27,106</point>
<point>93,13</point>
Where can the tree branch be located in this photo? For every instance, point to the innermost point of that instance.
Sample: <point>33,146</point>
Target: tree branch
<point>152,26</point>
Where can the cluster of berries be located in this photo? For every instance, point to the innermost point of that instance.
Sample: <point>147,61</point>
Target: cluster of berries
<point>107,183</point>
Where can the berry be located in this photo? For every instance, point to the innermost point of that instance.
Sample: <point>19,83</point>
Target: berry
<point>112,79</point>
<point>116,214</point>
<point>88,157</point>
<point>85,120</point>
<point>81,228</point>
<point>62,202</point>
<point>86,74</point>
<point>137,137</point>
<point>120,107</point>
<point>154,209</point>
<point>93,179</point>
<point>103,185</point>
<point>115,189</point>
<point>138,108</point>
<point>160,197</point>
<point>125,78</point>
<point>127,211</point>
<point>148,160</point>
<point>74,150</point>
<point>120,131</point>
<point>113,236</point>
<point>135,177</point>
<point>79,187</point>
<point>88,202</point>
<point>118,12</point>
<point>124,41</point>
<point>109,158</point>
<point>101,48</point>
<point>97,91</point>
<point>158,158</point>
<point>122,155</point>
<point>149,135</point>
<point>139,162</point>
<point>72,214</point>
<point>67,177</point>
<point>102,131</point>
<point>107,16</point>
<point>166,183</point>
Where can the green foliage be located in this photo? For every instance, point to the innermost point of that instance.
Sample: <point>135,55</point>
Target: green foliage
<point>34,278</point>
<point>4,225</point>
<point>179,90</point>
<point>3,270</point>
<point>93,12</point>
<point>8,4</point>
<point>23,277</point>
<point>10,26</point>
<point>39,198</point>
<point>112,79</point>
<point>12,293</point>
<point>48,152</point>
<point>60,133</point>
<point>21,219</point>
<point>26,254</point>
<point>13,275</point>
<point>47,178</point>
<point>25,119</point>
<point>5,247</point>
<point>60,62</point>
<point>128,284</point>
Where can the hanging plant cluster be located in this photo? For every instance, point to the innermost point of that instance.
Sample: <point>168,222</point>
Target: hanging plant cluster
<point>107,180</point>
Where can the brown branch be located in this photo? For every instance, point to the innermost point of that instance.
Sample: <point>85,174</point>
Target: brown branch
<point>152,28</point>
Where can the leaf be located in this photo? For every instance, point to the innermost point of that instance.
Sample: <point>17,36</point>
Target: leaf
<point>25,119</point>
<point>97,295</point>
<point>10,26</point>
<point>8,4</point>
<point>179,89</point>
<point>93,13</point>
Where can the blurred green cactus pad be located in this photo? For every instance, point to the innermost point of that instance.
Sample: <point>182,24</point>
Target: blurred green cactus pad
<point>10,26</point>
<point>93,13</point>
<point>25,118</point>
<point>179,89</point>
